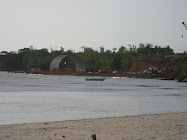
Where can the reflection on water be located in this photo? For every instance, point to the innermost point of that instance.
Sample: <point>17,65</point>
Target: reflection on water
<point>148,86</point>
<point>169,88</point>
<point>40,98</point>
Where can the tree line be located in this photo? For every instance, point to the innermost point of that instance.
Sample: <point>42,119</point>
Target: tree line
<point>120,59</point>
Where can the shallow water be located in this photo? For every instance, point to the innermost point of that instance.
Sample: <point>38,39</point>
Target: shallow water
<point>41,98</point>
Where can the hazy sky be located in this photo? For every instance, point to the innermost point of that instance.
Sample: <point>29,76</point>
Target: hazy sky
<point>74,23</point>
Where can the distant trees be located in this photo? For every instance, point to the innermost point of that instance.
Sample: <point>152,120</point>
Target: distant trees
<point>118,59</point>
<point>10,62</point>
<point>178,66</point>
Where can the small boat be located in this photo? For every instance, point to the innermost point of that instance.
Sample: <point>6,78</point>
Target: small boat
<point>95,79</point>
<point>165,79</point>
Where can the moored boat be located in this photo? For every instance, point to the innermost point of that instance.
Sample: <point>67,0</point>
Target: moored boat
<point>95,79</point>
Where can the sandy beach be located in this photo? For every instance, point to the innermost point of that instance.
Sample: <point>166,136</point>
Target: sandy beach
<point>171,126</point>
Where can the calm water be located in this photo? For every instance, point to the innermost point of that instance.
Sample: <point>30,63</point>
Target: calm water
<point>40,98</point>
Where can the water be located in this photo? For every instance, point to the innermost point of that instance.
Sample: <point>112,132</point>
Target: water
<point>40,98</point>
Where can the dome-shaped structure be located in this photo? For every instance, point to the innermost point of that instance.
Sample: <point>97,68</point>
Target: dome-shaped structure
<point>78,62</point>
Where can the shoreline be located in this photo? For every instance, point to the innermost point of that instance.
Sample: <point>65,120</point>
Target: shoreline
<point>170,126</point>
<point>123,74</point>
<point>119,74</point>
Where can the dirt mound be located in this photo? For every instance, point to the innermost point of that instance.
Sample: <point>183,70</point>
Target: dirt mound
<point>145,65</point>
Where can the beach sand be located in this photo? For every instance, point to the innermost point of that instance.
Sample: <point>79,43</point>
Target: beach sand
<point>171,126</point>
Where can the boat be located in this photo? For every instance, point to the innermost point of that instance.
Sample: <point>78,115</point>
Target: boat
<point>95,79</point>
<point>165,79</point>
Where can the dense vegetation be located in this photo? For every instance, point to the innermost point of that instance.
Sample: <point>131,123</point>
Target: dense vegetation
<point>178,67</point>
<point>120,59</point>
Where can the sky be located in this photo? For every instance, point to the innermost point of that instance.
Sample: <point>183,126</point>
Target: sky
<point>71,24</point>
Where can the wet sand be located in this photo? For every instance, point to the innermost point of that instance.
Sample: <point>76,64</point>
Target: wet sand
<point>172,126</point>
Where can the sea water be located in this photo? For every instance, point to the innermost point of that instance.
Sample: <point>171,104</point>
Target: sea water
<point>26,98</point>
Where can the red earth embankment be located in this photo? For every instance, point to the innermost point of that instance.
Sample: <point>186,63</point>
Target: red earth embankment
<point>145,65</point>
<point>149,69</point>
